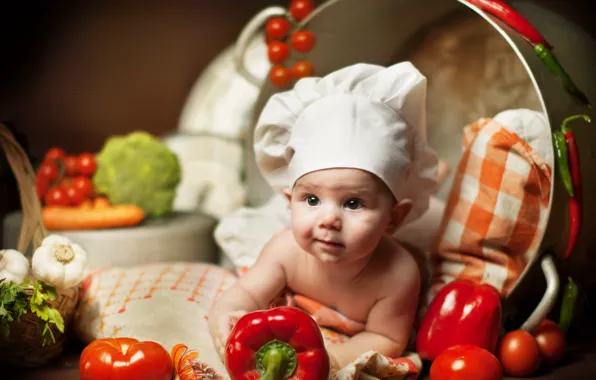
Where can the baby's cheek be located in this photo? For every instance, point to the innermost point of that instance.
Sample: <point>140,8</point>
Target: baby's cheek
<point>366,231</point>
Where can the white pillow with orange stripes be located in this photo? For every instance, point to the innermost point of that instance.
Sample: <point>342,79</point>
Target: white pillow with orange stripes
<point>496,211</point>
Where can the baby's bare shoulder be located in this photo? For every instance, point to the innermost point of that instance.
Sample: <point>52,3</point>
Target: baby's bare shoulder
<point>401,267</point>
<point>281,247</point>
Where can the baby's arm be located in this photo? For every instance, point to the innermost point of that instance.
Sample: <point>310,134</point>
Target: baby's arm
<point>389,323</point>
<point>256,288</point>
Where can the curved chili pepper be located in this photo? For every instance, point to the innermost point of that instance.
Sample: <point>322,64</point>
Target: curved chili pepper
<point>562,160</point>
<point>553,65</point>
<point>568,304</point>
<point>512,18</point>
<point>575,202</point>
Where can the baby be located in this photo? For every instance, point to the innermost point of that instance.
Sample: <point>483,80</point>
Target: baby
<point>349,152</point>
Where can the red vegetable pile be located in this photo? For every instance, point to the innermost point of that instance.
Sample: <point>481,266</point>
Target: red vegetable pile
<point>65,180</point>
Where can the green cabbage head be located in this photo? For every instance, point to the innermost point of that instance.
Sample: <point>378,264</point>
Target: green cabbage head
<point>138,169</point>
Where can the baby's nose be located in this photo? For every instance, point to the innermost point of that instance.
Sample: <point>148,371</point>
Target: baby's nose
<point>330,219</point>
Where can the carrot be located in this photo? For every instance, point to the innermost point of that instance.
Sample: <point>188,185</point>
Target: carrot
<point>86,205</point>
<point>77,218</point>
<point>101,202</point>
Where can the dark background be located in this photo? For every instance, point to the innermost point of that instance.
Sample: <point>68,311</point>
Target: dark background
<point>74,73</point>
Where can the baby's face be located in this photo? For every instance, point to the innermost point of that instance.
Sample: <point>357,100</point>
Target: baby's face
<point>340,215</point>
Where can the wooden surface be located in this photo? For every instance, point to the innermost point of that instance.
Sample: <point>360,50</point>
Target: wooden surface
<point>579,362</point>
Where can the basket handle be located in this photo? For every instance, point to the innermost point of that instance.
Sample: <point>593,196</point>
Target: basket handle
<point>33,230</point>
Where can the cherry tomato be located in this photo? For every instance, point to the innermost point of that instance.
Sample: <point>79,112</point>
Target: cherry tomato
<point>277,28</point>
<point>54,154</point>
<point>71,166</point>
<point>303,41</point>
<point>65,182</point>
<point>519,353</point>
<point>49,171</point>
<point>74,195</point>
<point>280,76</point>
<point>463,362</point>
<point>551,341</point>
<point>86,164</point>
<point>56,196</point>
<point>300,9</point>
<point>125,358</point>
<point>41,187</point>
<point>302,69</point>
<point>84,185</point>
<point>278,52</point>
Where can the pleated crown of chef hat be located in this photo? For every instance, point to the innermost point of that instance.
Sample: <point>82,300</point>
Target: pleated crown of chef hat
<point>364,117</point>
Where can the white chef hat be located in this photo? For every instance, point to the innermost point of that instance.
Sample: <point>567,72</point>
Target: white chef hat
<point>363,116</point>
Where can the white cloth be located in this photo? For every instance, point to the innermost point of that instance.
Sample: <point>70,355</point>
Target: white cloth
<point>363,116</point>
<point>531,126</point>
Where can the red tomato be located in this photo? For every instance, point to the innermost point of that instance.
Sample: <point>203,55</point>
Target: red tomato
<point>277,28</point>
<point>66,182</point>
<point>280,76</point>
<point>41,187</point>
<point>302,69</point>
<point>464,362</point>
<point>56,196</point>
<point>551,341</point>
<point>54,154</point>
<point>518,353</point>
<point>84,185</point>
<point>278,52</point>
<point>86,164</point>
<point>71,166</point>
<point>303,41</point>
<point>48,171</point>
<point>125,358</point>
<point>74,195</point>
<point>300,9</point>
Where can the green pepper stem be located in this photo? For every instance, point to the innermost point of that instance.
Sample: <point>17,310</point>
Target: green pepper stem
<point>569,119</point>
<point>276,360</point>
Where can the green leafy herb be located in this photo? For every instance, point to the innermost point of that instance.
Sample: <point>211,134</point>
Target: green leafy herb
<point>42,294</point>
<point>13,304</point>
<point>14,301</point>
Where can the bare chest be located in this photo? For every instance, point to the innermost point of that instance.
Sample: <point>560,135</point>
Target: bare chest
<point>352,299</point>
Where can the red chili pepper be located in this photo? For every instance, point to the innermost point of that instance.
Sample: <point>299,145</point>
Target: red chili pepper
<point>575,202</point>
<point>463,312</point>
<point>279,343</point>
<point>512,18</point>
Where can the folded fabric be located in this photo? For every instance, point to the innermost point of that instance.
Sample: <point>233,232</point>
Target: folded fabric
<point>497,210</point>
<point>169,303</point>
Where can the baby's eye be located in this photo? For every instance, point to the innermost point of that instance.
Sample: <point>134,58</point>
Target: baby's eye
<point>312,200</point>
<point>353,204</point>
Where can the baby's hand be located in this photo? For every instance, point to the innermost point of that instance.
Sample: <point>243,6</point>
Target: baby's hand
<point>224,325</point>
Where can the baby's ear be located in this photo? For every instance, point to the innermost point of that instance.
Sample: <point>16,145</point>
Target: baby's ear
<point>399,212</point>
<point>287,193</point>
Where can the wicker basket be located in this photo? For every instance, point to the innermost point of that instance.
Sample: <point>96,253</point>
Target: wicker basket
<point>24,347</point>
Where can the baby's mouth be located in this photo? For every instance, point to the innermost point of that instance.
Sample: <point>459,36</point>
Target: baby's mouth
<point>330,243</point>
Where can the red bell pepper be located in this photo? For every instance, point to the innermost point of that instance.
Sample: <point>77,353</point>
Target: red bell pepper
<point>279,343</point>
<point>462,313</point>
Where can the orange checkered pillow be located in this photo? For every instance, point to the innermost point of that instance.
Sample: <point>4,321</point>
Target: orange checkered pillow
<point>496,212</point>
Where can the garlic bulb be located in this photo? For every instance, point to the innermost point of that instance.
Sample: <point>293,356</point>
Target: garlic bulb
<point>60,263</point>
<point>14,266</point>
